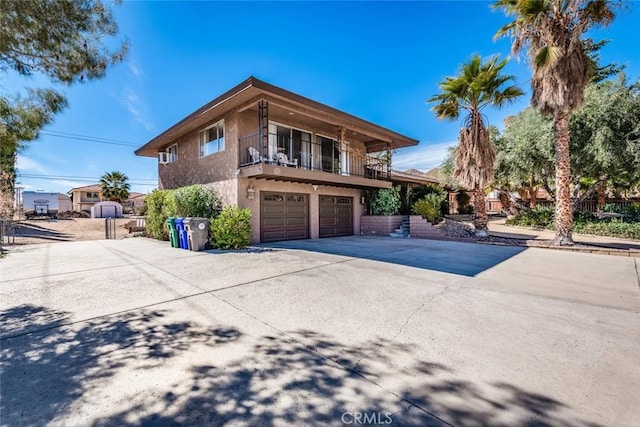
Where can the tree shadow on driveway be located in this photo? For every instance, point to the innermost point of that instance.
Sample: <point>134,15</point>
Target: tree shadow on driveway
<point>278,380</point>
<point>462,258</point>
<point>46,370</point>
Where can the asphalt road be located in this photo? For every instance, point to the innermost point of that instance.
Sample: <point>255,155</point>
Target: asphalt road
<point>332,331</point>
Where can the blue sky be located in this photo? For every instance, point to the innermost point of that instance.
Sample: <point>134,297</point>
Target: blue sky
<point>376,60</point>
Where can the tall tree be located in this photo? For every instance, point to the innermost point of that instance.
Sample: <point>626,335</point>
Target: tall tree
<point>605,137</point>
<point>65,41</point>
<point>114,186</point>
<point>553,33</point>
<point>479,85</point>
<point>525,154</point>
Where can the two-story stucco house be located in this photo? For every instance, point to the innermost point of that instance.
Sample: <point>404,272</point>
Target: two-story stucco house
<point>299,165</point>
<point>83,198</point>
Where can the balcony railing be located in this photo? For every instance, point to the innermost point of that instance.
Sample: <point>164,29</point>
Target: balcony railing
<point>313,156</point>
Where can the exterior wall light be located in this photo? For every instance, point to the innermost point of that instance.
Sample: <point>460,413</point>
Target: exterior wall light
<point>363,199</point>
<point>251,193</point>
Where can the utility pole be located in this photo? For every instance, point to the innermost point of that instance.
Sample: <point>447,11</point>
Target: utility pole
<point>18,202</point>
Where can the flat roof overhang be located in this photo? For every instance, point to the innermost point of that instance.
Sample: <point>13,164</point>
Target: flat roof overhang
<point>291,174</point>
<point>248,93</point>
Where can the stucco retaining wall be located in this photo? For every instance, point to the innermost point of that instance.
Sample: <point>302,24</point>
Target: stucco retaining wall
<point>374,225</point>
<point>420,228</point>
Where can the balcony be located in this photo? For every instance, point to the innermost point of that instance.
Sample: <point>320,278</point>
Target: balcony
<point>288,159</point>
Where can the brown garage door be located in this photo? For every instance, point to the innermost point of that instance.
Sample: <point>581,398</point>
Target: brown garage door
<point>336,216</point>
<point>284,216</point>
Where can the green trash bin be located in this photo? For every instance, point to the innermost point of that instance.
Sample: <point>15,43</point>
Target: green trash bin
<point>173,232</point>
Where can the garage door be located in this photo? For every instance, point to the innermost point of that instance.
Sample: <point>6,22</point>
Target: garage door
<point>284,216</point>
<point>336,216</point>
<point>107,211</point>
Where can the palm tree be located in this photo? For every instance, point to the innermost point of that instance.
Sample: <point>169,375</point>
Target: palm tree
<point>478,85</point>
<point>553,31</point>
<point>114,186</point>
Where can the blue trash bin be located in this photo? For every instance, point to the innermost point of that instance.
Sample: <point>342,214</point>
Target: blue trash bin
<point>182,234</point>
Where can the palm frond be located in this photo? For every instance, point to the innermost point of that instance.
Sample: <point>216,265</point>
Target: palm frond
<point>547,56</point>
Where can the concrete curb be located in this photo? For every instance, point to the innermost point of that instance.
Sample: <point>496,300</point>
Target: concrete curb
<point>582,248</point>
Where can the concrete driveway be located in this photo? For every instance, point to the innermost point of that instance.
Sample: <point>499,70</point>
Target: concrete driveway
<point>344,331</point>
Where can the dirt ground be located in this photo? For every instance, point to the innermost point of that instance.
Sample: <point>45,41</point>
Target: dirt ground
<point>64,230</point>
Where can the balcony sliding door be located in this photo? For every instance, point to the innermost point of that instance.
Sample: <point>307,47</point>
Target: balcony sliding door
<point>329,154</point>
<point>294,143</point>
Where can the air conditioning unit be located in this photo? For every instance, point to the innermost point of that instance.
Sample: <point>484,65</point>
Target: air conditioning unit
<point>163,158</point>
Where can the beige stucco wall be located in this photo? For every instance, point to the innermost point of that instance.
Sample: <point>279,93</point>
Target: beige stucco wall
<point>218,169</point>
<point>261,185</point>
<point>81,202</point>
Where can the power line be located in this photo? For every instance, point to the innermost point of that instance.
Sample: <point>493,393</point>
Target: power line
<point>35,175</point>
<point>88,180</point>
<point>87,138</point>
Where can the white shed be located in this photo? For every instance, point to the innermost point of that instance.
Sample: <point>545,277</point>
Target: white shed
<point>106,210</point>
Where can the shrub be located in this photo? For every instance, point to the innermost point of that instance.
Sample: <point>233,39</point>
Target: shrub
<point>463,200</point>
<point>411,193</point>
<point>159,207</point>
<point>196,200</point>
<point>612,228</point>
<point>583,222</point>
<point>429,207</point>
<point>231,229</point>
<point>415,193</point>
<point>193,200</point>
<point>386,201</point>
<point>465,210</point>
<point>538,217</point>
<point>631,212</point>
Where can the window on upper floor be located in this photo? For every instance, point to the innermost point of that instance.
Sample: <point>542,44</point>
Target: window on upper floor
<point>212,139</point>
<point>172,153</point>
<point>92,195</point>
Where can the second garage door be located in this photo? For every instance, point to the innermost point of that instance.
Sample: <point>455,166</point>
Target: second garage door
<point>284,216</point>
<point>336,216</point>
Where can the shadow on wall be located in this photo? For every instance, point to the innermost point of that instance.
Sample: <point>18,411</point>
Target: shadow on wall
<point>277,380</point>
<point>466,259</point>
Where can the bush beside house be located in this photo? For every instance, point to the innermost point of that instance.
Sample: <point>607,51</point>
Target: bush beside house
<point>231,229</point>
<point>430,207</point>
<point>189,201</point>
<point>385,201</point>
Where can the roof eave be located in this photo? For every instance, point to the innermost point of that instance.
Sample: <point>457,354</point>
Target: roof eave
<point>150,148</point>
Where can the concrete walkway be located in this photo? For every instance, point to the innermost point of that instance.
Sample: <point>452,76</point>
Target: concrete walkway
<point>418,332</point>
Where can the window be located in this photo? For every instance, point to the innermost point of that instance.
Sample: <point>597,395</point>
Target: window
<point>172,153</point>
<point>91,195</point>
<point>212,139</point>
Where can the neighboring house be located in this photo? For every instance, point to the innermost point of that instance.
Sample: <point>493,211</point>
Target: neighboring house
<point>134,202</point>
<point>84,198</point>
<point>299,165</point>
<point>413,176</point>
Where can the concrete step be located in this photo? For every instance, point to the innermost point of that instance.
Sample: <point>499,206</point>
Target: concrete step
<point>399,235</point>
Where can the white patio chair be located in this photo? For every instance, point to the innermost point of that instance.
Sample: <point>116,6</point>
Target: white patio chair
<point>283,160</point>
<point>255,156</point>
